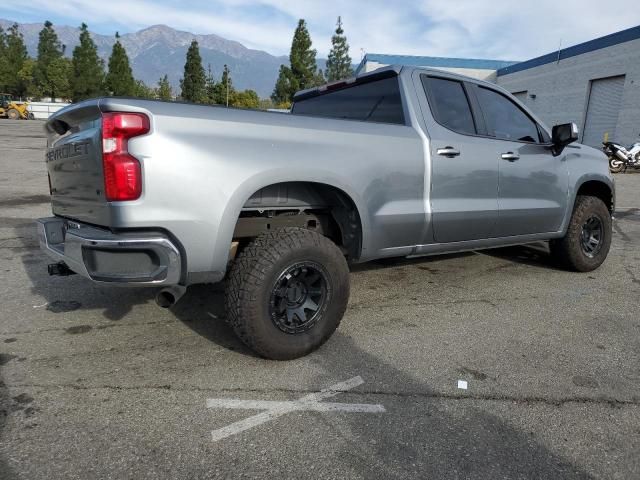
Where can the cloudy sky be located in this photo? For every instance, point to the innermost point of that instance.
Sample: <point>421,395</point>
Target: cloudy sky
<point>497,29</point>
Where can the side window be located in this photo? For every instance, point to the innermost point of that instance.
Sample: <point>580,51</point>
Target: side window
<point>449,104</point>
<point>504,118</point>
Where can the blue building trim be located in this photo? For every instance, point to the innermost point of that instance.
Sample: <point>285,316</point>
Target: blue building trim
<point>586,47</point>
<point>443,62</point>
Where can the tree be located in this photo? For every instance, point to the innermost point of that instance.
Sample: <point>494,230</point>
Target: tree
<point>48,65</point>
<point>87,79</point>
<point>164,89</point>
<point>225,91</point>
<point>303,71</point>
<point>119,80</point>
<point>27,78</point>
<point>318,78</point>
<point>246,99</point>
<point>285,86</point>
<point>303,58</point>
<point>210,87</point>
<point>339,61</point>
<point>58,75</point>
<point>13,59</point>
<point>194,80</point>
<point>142,90</point>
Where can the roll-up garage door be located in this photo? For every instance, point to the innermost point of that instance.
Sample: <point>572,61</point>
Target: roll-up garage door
<point>602,111</point>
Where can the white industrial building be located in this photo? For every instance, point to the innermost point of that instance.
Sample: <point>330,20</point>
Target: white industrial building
<point>595,84</point>
<point>476,68</point>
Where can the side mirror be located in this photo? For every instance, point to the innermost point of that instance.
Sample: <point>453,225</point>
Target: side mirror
<point>562,135</point>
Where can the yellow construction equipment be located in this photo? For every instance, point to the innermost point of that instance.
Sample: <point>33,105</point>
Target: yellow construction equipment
<point>13,110</point>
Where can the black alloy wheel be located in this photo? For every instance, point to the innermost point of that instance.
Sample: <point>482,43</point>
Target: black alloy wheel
<point>297,297</point>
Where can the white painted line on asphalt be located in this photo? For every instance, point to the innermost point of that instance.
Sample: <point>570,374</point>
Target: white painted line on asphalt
<point>292,405</point>
<point>462,384</point>
<point>275,409</point>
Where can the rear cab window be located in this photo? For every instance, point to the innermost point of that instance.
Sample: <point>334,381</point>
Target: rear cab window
<point>449,104</point>
<point>378,101</point>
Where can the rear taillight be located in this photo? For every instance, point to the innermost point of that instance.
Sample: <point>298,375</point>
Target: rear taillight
<point>122,172</point>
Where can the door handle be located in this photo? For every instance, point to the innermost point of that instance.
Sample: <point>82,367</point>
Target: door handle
<point>510,156</point>
<point>448,152</point>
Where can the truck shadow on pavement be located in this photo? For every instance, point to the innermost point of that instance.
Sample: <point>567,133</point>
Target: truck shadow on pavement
<point>202,310</point>
<point>533,254</point>
<point>428,434</point>
<point>202,307</point>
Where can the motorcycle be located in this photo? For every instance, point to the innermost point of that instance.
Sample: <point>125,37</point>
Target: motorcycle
<point>620,157</point>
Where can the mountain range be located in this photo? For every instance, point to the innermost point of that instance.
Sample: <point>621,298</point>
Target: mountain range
<point>159,50</point>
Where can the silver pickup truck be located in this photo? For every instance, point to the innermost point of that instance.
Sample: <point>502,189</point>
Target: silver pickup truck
<point>398,162</point>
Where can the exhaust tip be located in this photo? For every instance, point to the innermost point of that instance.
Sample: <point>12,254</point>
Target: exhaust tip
<point>167,297</point>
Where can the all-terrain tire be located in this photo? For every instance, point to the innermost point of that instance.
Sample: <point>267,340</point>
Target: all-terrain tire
<point>252,281</point>
<point>569,251</point>
<point>13,114</point>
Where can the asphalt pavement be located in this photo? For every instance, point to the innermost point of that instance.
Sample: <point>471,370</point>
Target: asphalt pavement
<point>99,382</point>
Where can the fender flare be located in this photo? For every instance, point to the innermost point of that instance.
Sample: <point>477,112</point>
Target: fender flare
<point>263,179</point>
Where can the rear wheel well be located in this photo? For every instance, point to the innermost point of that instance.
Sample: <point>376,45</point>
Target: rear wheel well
<point>315,206</point>
<point>595,188</point>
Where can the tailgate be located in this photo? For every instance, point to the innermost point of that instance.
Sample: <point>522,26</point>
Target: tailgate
<point>74,163</point>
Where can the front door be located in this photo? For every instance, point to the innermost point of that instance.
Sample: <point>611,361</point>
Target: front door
<point>532,184</point>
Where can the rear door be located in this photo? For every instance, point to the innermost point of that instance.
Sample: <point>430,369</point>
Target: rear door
<point>532,186</point>
<point>464,170</point>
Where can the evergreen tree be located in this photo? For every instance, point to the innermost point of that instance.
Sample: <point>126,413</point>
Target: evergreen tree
<point>27,76</point>
<point>303,58</point>
<point>210,86</point>
<point>303,71</point>
<point>119,80</point>
<point>339,61</point>
<point>164,89</point>
<point>226,91</point>
<point>194,80</point>
<point>58,75</point>
<point>15,55</point>
<point>48,66</point>
<point>285,87</point>
<point>142,90</point>
<point>87,79</point>
<point>319,78</point>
